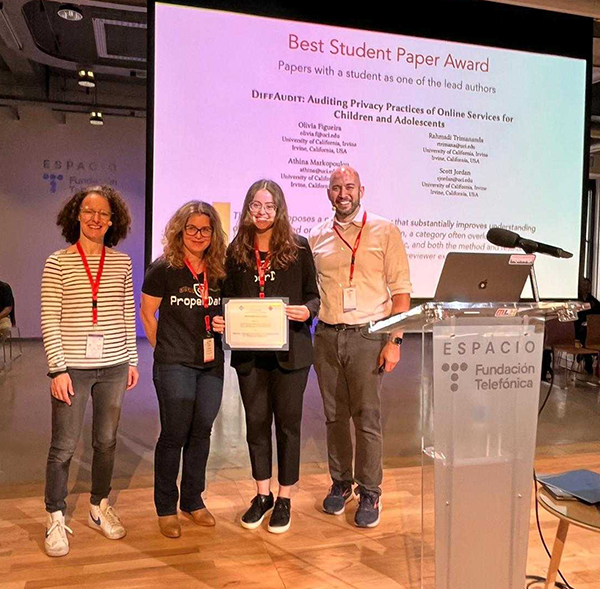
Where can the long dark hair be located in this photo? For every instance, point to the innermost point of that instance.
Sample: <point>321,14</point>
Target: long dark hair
<point>68,217</point>
<point>283,245</point>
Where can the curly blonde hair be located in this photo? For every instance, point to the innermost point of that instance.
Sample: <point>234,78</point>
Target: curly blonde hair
<point>214,255</point>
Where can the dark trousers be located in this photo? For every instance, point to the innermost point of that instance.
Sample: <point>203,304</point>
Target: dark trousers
<point>270,391</point>
<point>106,387</point>
<point>350,383</point>
<point>189,400</point>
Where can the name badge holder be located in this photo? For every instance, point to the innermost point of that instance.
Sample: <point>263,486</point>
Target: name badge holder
<point>349,298</point>
<point>94,346</point>
<point>209,348</point>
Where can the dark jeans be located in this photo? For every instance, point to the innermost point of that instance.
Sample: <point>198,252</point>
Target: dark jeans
<point>346,366</point>
<point>270,391</point>
<point>106,387</point>
<point>189,400</point>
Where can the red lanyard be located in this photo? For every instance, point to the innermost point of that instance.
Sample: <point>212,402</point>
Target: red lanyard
<point>204,294</point>
<point>261,267</point>
<point>356,243</point>
<point>95,284</point>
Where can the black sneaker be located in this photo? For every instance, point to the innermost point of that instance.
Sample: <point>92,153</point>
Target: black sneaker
<point>369,509</point>
<point>281,516</point>
<point>339,494</point>
<point>260,506</point>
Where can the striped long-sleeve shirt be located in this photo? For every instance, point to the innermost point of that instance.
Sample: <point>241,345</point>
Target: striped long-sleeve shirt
<point>67,310</point>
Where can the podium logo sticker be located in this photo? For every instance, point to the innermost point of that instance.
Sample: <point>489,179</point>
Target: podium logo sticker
<point>455,367</point>
<point>488,347</point>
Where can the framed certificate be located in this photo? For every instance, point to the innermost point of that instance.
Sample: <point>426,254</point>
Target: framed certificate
<point>256,324</point>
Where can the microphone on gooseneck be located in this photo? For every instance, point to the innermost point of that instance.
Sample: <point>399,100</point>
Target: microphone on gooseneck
<point>510,239</point>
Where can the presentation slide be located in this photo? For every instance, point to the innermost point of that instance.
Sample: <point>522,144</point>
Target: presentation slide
<point>449,139</point>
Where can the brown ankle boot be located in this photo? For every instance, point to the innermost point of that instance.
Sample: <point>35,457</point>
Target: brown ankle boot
<point>169,526</point>
<point>201,517</point>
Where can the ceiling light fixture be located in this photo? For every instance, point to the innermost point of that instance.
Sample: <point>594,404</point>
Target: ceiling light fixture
<point>86,78</point>
<point>96,118</point>
<point>70,12</point>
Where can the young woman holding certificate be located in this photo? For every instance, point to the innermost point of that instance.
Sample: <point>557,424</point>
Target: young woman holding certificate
<point>184,285</point>
<point>266,259</point>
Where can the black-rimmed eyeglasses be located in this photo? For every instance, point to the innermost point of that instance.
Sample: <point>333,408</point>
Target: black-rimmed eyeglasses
<point>192,231</point>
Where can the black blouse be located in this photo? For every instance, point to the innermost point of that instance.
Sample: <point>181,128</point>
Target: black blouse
<point>298,283</point>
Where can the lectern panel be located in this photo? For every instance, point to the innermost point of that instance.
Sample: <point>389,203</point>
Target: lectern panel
<point>486,375</point>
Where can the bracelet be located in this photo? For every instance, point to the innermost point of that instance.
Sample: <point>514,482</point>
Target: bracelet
<point>396,341</point>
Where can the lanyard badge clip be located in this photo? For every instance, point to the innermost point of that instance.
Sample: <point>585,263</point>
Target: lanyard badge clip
<point>208,341</point>
<point>349,302</point>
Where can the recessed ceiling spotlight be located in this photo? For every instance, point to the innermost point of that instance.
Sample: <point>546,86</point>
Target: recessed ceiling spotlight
<point>70,12</point>
<point>86,78</point>
<point>96,118</point>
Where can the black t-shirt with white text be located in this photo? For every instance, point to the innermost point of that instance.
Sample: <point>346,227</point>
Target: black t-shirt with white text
<point>181,323</point>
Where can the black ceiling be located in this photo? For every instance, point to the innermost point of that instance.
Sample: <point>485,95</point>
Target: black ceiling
<point>79,41</point>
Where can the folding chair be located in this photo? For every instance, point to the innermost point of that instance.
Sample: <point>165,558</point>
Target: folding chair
<point>560,338</point>
<point>12,339</point>
<point>592,338</point>
<point>6,340</point>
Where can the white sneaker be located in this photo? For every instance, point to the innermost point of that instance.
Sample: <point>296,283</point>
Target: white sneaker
<point>103,517</point>
<point>56,542</point>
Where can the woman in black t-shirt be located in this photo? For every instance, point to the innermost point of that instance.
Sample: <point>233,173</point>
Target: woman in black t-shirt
<point>266,259</point>
<point>183,285</point>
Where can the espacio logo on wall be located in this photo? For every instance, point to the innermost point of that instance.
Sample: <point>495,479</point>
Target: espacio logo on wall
<point>69,165</point>
<point>78,173</point>
<point>53,179</point>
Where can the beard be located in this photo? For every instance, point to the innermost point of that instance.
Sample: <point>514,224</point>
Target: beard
<point>347,212</point>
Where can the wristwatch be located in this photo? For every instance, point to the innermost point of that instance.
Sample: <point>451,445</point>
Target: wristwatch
<point>396,340</point>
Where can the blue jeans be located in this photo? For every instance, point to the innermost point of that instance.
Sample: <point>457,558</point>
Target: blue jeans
<point>189,400</point>
<point>106,387</point>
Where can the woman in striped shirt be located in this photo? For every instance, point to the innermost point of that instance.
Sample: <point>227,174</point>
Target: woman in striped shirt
<point>88,327</point>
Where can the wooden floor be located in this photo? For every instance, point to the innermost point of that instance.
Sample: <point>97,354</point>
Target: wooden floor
<point>319,551</point>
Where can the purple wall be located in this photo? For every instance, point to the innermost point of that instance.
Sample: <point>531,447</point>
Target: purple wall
<point>43,162</point>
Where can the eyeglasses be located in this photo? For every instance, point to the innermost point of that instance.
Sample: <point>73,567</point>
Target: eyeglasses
<point>192,230</point>
<point>91,213</point>
<point>257,207</point>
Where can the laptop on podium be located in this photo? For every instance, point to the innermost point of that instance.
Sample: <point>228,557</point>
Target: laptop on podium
<point>483,278</point>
